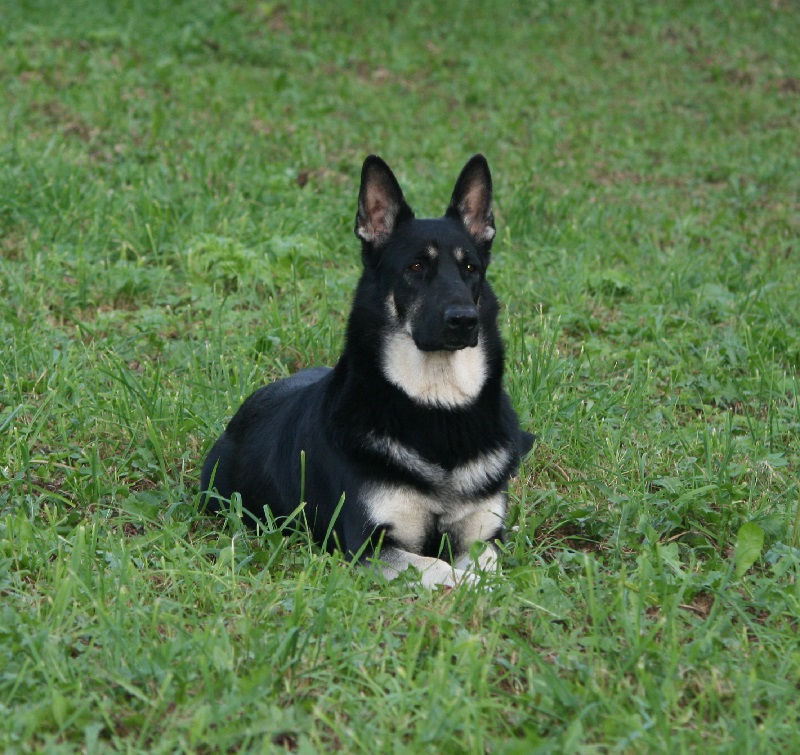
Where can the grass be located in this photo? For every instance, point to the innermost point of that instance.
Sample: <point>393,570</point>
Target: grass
<point>177,191</point>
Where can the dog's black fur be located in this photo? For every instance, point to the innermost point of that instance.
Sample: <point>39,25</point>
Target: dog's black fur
<point>412,425</point>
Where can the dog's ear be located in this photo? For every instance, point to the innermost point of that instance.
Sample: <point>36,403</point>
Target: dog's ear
<point>381,205</point>
<point>472,201</point>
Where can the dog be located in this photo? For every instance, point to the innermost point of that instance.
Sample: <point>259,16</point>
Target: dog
<point>403,450</point>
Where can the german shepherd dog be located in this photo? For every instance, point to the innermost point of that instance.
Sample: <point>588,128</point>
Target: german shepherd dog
<point>410,440</point>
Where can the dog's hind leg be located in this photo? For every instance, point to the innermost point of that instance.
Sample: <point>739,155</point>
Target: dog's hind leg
<point>216,474</point>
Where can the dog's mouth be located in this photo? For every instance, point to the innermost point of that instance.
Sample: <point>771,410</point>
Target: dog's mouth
<point>450,345</point>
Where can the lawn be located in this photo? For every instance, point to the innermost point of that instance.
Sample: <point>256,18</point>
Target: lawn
<point>177,193</point>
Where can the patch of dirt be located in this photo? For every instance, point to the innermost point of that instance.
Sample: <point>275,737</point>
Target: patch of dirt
<point>787,85</point>
<point>58,116</point>
<point>700,605</point>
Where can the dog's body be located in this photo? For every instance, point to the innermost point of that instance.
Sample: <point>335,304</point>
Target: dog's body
<point>412,425</point>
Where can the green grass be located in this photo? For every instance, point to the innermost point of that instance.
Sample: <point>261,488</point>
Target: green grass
<point>177,193</point>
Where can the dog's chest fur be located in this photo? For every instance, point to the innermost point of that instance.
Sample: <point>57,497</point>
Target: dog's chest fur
<point>466,502</point>
<point>464,481</point>
<point>415,519</point>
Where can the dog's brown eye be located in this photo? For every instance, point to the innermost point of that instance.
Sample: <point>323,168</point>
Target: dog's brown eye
<point>470,268</point>
<point>415,267</point>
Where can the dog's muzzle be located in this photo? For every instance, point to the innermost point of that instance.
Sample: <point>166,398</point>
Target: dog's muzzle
<point>461,326</point>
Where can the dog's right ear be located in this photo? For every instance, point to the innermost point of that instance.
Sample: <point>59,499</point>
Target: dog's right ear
<point>381,205</point>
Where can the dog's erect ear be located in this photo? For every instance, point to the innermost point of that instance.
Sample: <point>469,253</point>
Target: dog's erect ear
<point>472,201</point>
<point>381,205</point>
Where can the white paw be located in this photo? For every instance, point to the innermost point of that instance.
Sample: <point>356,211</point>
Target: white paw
<point>485,561</point>
<point>433,571</point>
<point>439,573</point>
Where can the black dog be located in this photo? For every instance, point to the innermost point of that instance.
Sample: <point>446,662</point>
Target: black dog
<point>412,425</point>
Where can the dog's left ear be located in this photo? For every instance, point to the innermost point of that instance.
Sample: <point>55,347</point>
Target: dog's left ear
<point>472,201</point>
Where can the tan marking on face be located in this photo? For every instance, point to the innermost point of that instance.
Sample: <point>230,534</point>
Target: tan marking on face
<point>391,307</point>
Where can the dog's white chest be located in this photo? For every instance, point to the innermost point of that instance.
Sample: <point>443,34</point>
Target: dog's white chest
<point>413,516</point>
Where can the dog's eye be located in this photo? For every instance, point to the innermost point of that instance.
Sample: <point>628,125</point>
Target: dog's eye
<point>470,268</point>
<point>415,267</point>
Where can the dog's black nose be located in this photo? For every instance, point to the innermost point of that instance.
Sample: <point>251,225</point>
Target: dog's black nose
<point>461,320</point>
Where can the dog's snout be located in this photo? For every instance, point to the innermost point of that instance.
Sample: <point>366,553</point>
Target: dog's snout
<point>461,316</point>
<point>461,320</point>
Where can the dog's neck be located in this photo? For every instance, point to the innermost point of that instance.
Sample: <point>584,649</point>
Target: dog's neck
<point>442,379</point>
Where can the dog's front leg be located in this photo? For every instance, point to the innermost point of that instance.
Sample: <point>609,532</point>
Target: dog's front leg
<point>433,571</point>
<point>485,562</point>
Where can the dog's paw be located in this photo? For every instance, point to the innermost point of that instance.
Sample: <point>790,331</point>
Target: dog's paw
<point>478,560</point>
<point>433,572</point>
<point>442,574</point>
<point>450,576</point>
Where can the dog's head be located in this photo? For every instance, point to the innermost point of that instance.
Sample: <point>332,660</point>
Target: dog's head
<point>430,273</point>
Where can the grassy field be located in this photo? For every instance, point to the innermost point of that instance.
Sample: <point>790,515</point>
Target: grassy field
<point>177,195</point>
